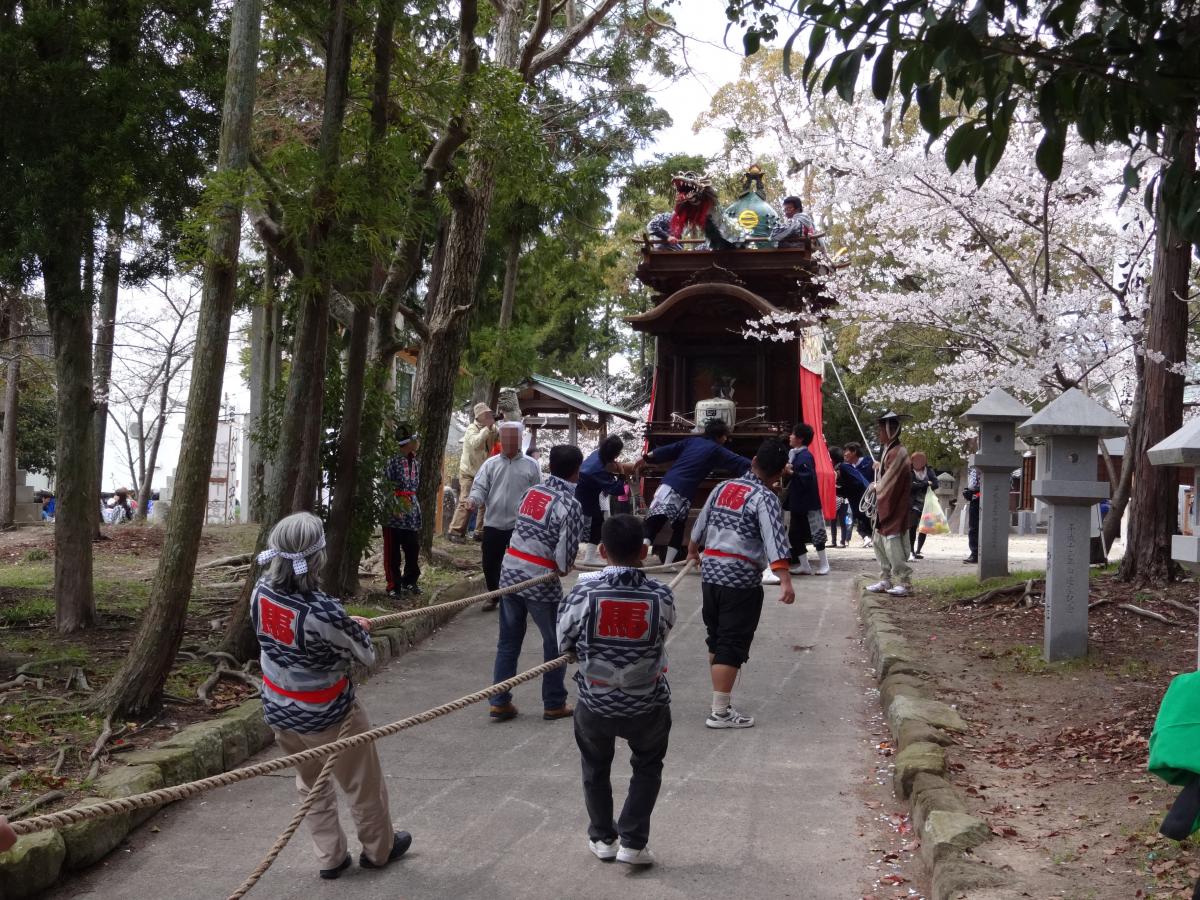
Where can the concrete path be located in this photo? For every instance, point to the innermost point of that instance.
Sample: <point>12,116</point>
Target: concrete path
<point>496,810</point>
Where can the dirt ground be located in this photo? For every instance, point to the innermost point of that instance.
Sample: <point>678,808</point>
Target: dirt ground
<point>1056,759</point>
<point>46,732</point>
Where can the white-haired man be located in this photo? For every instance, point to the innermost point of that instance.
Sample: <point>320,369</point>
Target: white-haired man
<point>499,485</point>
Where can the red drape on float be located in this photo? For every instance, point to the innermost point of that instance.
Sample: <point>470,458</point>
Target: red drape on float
<point>812,413</point>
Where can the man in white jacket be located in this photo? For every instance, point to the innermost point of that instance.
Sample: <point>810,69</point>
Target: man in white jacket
<point>477,443</point>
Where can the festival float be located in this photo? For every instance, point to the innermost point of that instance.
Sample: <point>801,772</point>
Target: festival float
<point>707,291</point>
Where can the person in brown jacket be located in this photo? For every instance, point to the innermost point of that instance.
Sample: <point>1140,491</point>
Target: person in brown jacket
<point>892,500</point>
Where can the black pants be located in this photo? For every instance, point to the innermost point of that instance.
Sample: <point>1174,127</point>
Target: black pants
<point>654,524</point>
<point>861,522</point>
<point>595,528</point>
<point>401,557</point>
<point>916,541</point>
<point>731,618</point>
<point>973,526</point>
<point>493,547</point>
<point>596,736</point>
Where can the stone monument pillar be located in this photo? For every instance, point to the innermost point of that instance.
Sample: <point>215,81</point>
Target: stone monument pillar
<point>997,415</point>
<point>1070,426</point>
<point>1183,449</point>
<point>945,492</point>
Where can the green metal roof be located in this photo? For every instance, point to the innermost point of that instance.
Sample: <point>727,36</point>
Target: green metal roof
<point>573,396</point>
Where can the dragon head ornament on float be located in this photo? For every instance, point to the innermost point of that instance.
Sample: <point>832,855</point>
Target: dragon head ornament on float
<point>695,206</point>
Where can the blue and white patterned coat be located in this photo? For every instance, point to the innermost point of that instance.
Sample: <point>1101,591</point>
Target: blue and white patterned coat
<point>549,526</point>
<point>617,622</point>
<point>404,473</point>
<point>307,643</point>
<point>741,529</point>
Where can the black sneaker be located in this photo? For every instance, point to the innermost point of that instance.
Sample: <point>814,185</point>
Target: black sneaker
<point>401,841</point>
<point>970,560</point>
<point>413,589</point>
<point>336,872</point>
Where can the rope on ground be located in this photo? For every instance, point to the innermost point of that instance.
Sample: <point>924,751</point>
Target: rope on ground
<point>394,618</point>
<point>314,791</point>
<point>152,799</point>
<point>121,805</point>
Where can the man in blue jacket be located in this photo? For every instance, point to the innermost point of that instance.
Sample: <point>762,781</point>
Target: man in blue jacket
<point>860,460</point>
<point>693,458</point>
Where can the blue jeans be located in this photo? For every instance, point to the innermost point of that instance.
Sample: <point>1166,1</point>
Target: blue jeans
<point>513,611</point>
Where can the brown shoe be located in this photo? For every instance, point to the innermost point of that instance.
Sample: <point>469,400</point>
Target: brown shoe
<point>503,713</point>
<point>563,712</point>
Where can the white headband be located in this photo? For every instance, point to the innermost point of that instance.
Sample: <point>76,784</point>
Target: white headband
<point>299,560</point>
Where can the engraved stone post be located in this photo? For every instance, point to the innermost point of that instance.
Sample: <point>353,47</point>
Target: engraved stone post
<point>1182,449</point>
<point>1071,426</point>
<point>997,415</point>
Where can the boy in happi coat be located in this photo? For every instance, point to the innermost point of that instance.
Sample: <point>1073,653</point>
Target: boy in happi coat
<point>401,534</point>
<point>616,622</point>
<point>741,532</point>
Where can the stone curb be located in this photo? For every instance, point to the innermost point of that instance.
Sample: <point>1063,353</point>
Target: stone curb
<point>37,861</point>
<point>922,728</point>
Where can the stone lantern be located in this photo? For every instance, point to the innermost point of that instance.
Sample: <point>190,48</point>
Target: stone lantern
<point>1071,426</point>
<point>1182,449</point>
<point>997,415</point>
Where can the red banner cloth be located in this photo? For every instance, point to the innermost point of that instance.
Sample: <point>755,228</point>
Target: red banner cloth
<point>811,410</point>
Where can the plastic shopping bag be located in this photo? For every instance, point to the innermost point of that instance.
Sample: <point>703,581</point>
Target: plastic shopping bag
<point>933,520</point>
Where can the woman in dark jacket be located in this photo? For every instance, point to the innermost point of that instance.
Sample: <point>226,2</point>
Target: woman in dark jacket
<point>924,478</point>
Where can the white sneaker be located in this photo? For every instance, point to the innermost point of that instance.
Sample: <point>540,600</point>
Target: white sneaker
<point>868,543</point>
<point>822,563</point>
<point>590,555</point>
<point>880,587</point>
<point>900,590</point>
<point>911,558</point>
<point>731,718</point>
<point>769,577</point>
<point>605,850</point>
<point>802,567</point>
<point>631,857</point>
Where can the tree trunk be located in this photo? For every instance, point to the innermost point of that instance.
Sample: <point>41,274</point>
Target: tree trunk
<point>1120,497</point>
<point>262,341</point>
<point>8,442</point>
<point>137,687</point>
<point>1148,549</point>
<point>146,489</point>
<point>110,285</point>
<point>508,297</point>
<point>345,479</point>
<point>296,467</point>
<point>75,452</point>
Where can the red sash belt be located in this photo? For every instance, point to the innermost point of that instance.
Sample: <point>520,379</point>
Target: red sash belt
<point>400,493</point>
<point>324,695</point>
<point>536,560</point>
<point>722,553</point>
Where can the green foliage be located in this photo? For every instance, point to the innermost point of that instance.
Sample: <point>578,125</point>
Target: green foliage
<point>1124,73</point>
<point>37,426</point>
<point>104,107</point>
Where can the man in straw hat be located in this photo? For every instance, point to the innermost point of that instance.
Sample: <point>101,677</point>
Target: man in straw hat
<point>476,445</point>
<point>892,497</point>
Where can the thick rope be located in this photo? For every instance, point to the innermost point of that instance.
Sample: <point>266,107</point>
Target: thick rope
<point>314,791</point>
<point>394,618</point>
<point>122,805</point>
<point>649,570</point>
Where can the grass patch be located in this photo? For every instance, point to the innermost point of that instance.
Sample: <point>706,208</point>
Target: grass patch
<point>1027,658</point>
<point>37,554</point>
<point>367,612</point>
<point>186,677</point>
<point>27,611</point>
<point>39,576</point>
<point>953,588</point>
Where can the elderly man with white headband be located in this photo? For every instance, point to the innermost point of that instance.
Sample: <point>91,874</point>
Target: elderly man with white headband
<point>307,644</point>
<point>499,485</point>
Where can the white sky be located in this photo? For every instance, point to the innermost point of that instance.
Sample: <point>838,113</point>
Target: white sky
<point>712,66</point>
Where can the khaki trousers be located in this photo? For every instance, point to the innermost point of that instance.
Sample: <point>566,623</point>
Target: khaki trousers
<point>358,772</point>
<point>892,552</point>
<point>462,512</point>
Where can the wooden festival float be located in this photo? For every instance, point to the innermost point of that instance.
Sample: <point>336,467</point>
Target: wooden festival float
<point>706,368</point>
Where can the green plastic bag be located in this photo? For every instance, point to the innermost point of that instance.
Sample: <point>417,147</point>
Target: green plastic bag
<point>1175,740</point>
<point>933,520</point>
